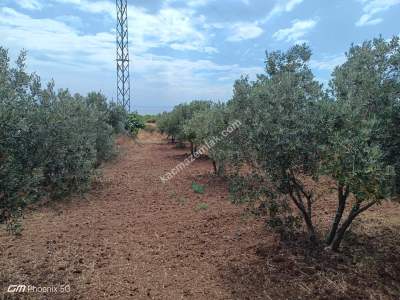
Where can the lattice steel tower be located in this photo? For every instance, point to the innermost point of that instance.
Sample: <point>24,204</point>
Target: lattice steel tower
<point>123,80</point>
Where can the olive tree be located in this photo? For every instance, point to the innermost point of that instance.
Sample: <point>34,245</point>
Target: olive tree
<point>168,124</point>
<point>20,174</point>
<point>362,141</point>
<point>173,123</point>
<point>369,83</point>
<point>277,115</point>
<point>50,141</point>
<point>205,127</point>
<point>357,163</point>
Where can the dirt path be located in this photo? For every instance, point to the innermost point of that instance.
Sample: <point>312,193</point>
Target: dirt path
<point>133,236</point>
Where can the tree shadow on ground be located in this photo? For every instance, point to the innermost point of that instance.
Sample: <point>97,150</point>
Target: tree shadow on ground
<point>367,268</point>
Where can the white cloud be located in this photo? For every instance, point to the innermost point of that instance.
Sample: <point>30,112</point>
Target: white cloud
<point>189,3</point>
<point>105,7</point>
<point>188,46</point>
<point>196,3</point>
<point>372,8</point>
<point>244,31</point>
<point>296,32</point>
<point>174,28</point>
<point>282,6</point>
<point>30,4</point>
<point>178,29</point>
<point>178,72</point>
<point>240,31</point>
<point>366,20</point>
<point>328,62</point>
<point>72,20</point>
<point>184,79</point>
<point>54,39</point>
<point>64,52</point>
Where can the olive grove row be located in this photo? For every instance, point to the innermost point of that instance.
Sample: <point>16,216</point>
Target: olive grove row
<point>294,132</point>
<point>50,141</point>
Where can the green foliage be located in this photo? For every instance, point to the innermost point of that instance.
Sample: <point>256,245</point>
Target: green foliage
<point>104,140</point>
<point>197,123</point>
<point>281,218</point>
<point>168,124</point>
<point>150,129</point>
<point>117,116</point>
<point>173,123</point>
<point>201,206</point>
<point>279,121</point>
<point>134,123</point>
<point>292,133</point>
<point>14,223</point>
<point>207,124</point>
<point>367,89</point>
<point>249,188</point>
<point>354,158</point>
<point>360,146</point>
<point>182,200</point>
<point>197,188</point>
<point>149,119</point>
<point>50,142</point>
<point>180,145</point>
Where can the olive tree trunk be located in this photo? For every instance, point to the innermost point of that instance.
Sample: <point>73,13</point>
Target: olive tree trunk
<point>215,167</point>
<point>191,148</point>
<point>340,233</point>
<point>297,193</point>
<point>343,193</point>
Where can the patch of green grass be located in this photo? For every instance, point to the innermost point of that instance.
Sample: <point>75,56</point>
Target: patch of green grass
<point>150,129</point>
<point>201,206</point>
<point>173,194</point>
<point>197,188</point>
<point>181,200</point>
<point>247,215</point>
<point>14,224</point>
<point>180,145</point>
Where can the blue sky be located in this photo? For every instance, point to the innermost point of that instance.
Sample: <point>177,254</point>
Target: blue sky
<point>184,49</point>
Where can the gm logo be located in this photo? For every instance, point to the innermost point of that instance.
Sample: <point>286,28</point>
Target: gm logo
<point>13,288</point>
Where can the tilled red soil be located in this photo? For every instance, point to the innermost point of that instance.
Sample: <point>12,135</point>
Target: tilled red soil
<point>133,237</point>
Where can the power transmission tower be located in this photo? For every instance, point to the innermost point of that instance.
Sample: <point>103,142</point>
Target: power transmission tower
<point>123,80</point>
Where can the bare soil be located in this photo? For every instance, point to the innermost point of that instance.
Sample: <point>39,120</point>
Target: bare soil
<point>134,237</point>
